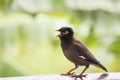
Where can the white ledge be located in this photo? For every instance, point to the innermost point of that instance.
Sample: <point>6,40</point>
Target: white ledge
<point>90,76</point>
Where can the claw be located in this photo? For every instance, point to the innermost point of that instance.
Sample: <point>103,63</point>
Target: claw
<point>79,76</point>
<point>68,74</point>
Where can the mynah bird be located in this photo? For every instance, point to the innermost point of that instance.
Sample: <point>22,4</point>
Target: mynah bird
<point>76,52</point>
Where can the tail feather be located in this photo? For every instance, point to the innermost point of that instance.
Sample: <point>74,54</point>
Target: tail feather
<point>101,66</point>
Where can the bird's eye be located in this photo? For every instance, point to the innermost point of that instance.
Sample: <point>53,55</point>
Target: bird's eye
<point>66,32</point>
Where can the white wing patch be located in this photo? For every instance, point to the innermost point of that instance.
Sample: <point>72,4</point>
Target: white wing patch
<point>82,57</point>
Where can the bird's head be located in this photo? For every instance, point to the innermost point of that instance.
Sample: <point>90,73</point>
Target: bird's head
<point>65,32</point>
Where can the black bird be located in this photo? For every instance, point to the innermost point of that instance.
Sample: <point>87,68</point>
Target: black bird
<point>76,52</point>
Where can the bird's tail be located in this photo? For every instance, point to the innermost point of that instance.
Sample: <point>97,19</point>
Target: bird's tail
<point>101,66</point>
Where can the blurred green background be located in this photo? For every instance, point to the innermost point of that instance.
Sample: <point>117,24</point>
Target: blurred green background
<point>28,45</point>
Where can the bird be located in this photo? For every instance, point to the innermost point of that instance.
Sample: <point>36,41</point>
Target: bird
<point>76,52</point>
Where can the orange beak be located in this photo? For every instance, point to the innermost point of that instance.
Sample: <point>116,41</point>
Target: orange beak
<point>58,34</point>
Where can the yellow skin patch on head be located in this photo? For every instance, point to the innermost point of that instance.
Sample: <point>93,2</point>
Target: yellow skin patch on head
<point>66,32</point>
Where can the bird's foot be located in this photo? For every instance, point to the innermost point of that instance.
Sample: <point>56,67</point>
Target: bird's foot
<point>68,74</point>
<point>79,76</point>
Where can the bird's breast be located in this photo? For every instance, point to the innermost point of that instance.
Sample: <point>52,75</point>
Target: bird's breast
<point>69,54</point>
<point>68,51</point>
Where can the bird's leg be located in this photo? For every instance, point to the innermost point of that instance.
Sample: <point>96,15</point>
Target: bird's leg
<point>81,74</point>
<point>70,72</point>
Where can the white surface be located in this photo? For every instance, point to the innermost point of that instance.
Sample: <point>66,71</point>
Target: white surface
<point>90,76</point>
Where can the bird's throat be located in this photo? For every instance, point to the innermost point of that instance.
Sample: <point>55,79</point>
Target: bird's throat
<point>66,41</point>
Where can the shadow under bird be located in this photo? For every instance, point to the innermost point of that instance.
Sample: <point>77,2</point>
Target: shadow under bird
<point>76,52</point>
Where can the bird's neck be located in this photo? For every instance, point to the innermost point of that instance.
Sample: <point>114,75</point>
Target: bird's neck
<point>65,42</point>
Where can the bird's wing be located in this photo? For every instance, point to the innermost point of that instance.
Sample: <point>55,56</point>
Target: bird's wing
<point>83,51</point>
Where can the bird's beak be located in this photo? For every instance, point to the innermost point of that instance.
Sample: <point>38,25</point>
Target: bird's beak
<point>57,30</point>
<point>58,34</point>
